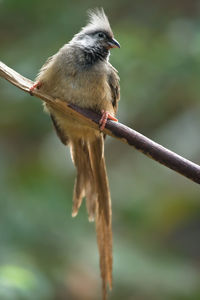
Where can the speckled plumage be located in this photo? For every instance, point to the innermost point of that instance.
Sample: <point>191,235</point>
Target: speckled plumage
<point>80,73</point>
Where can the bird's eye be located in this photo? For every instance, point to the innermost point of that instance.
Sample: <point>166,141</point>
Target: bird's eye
<point>101,35</point>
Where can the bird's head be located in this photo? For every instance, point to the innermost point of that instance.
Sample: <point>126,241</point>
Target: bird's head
<point>97,34</point>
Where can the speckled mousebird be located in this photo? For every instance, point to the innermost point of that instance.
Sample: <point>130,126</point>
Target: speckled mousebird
<point>80,73</point>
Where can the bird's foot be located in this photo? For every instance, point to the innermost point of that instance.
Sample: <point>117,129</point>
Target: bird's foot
<point>34,86</point>
<point>105,116</point>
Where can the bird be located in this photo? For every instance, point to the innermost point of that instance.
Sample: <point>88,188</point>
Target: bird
<point>80,73</point>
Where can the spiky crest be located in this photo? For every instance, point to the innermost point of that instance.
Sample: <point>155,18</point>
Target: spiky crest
<point>98,21</point>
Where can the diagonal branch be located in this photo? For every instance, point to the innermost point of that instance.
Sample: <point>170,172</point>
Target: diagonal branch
<point>116,130</point>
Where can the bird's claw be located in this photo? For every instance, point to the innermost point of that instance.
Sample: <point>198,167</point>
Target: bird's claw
<point>105,116</point>
<point>34,86</point>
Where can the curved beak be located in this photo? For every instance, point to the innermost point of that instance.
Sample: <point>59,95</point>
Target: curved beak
<point>113,43</point>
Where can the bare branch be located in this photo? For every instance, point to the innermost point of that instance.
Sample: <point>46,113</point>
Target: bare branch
<point>116,130</point>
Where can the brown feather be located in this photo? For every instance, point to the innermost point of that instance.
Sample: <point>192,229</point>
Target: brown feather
<point>104,213</point>
<point>113,81</point>
<point>60,133</point>
<point>84,183</point>
<point>92,182</point>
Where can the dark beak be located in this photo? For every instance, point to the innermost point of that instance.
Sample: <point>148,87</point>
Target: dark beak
<point>112,43</point>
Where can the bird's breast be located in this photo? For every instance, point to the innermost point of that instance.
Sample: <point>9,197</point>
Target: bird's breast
<point>88,89</point>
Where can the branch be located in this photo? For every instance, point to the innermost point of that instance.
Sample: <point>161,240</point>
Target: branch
<point>116,130</point>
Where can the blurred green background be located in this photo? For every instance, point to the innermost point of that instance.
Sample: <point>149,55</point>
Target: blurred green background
<point>44,253</point>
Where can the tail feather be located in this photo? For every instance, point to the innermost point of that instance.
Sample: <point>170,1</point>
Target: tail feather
<point>96,152</point>
<point>79,186</point>
<point>92,183</point>
<point>104,239</point>
<point>84,184</point>
<point>104,215</point>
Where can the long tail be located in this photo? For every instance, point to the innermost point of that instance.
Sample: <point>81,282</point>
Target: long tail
<point>92,183</point>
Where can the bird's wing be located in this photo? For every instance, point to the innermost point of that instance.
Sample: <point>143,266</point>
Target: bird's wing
<point>60,133</point>
<point>113,81</point>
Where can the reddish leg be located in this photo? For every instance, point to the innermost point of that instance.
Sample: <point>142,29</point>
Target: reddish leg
<point>105,116</point>
<point>34,86</point>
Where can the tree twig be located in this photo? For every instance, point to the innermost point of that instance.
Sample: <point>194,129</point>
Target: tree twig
<point>116,130</point>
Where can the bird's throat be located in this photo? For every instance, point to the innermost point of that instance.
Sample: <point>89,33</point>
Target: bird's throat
<point>95,54</point>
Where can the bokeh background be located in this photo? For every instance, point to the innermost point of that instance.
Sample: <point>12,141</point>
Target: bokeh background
<point>44,253</point>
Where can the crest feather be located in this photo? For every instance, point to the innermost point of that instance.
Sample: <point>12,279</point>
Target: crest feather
<point>98,21</point>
